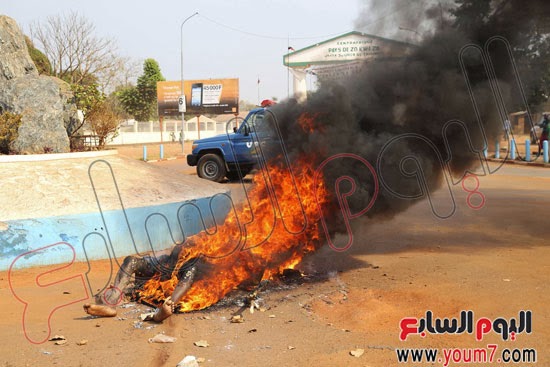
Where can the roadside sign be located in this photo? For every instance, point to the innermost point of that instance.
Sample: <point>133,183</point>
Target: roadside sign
<point>181,103</point>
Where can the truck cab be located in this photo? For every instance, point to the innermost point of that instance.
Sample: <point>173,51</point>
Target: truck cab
<point>232,155</point>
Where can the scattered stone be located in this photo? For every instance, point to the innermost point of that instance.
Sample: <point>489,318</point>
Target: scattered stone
<point>161,338</point>
<point>505,280</point>
<point>252,331</point>
<point>237,319</point>
<point>202,344</point>
<point>57,337</point>
<point>188,361</point>
<point>66,292</point>
<point>357,352</point>
<point>201,360</point>
<point>138,325</point>
<point>272,316</point>
<point>82,342</point>
<point>147,316</point>
<point>290,347</point>
<point>61,342</point>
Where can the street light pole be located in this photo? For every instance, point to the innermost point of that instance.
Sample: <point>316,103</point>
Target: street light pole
<point>182,91</point>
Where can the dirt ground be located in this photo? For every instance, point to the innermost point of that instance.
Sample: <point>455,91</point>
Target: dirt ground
<point>494,261</point>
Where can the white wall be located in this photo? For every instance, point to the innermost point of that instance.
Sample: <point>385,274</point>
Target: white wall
<point>148,132</point>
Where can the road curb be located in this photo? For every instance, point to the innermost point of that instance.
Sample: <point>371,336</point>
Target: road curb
<point>521,163</point>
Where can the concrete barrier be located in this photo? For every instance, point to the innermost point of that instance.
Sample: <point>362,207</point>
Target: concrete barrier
<point>98,206</point>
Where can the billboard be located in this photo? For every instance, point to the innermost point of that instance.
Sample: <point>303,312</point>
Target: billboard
<point>205,96</point>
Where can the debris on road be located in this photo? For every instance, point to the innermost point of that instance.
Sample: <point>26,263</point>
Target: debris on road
<point>161,338</point>
<point>237,319</point>
<point>188,361</point>
<point>202,344</point>
<point>57,337</point>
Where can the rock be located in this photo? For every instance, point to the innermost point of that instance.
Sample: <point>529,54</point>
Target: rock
<point>188,361</point>
<point>15,60</point>
<point>44,102</point>
<point>202,344</point>
<point>38,99</point>
<point>161,338</point>
<point>237,319</point>
<point>82,342</point>
<point>57,337</point>
<point>357,353</point>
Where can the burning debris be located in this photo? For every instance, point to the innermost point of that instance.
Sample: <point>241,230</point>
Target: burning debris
<point>409,118</point>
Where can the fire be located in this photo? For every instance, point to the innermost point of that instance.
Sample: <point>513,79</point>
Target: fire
<point>307,121</point>
<point>283,226</point>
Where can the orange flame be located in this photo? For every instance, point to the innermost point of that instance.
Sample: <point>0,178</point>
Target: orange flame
<point>307,121</point>
<point>284,227</point>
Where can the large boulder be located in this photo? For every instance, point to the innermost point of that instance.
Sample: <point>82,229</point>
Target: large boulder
<point>38,100</point>
<point>44,102</point>
<point>15,60</point>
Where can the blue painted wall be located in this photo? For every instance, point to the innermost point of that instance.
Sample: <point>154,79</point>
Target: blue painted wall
<point>103,235</point>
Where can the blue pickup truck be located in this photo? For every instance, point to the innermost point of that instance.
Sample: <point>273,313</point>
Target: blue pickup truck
<point>223,155</point>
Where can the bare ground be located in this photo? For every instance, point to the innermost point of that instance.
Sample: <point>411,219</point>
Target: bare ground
<point>493,261</point>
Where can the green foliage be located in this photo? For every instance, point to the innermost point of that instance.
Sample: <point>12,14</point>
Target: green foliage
<point>40,60</point>
<point>141,101</point>
<point>87,96</point>
<point>9,127</point>
<point>129,100</point>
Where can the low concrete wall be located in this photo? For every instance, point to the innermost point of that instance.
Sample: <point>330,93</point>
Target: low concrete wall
<point>98,205</point>
<point>91,236</point>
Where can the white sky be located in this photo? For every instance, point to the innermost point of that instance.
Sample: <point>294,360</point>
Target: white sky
<point>151,29</point>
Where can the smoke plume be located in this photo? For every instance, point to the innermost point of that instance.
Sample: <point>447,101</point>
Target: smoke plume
<point>418,121</point>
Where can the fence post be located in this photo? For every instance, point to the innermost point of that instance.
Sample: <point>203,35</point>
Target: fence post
<point>145,153</point>
<point>497,149</point>
<point>545,150</point>
<point>528,150</point>
<point>513,149</point>
<point>162,151</point>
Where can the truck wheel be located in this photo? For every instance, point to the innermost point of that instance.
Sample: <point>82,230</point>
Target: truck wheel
<point>211,167</point>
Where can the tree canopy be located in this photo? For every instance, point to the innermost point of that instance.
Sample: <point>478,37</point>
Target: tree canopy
<point>141,100</point>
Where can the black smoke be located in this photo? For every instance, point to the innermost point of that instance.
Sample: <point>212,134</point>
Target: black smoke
<point>418,120</point>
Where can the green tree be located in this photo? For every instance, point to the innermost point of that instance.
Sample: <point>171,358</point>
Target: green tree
<point>141,101</point>
<point>147,88</point>
<point>129,100</point>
